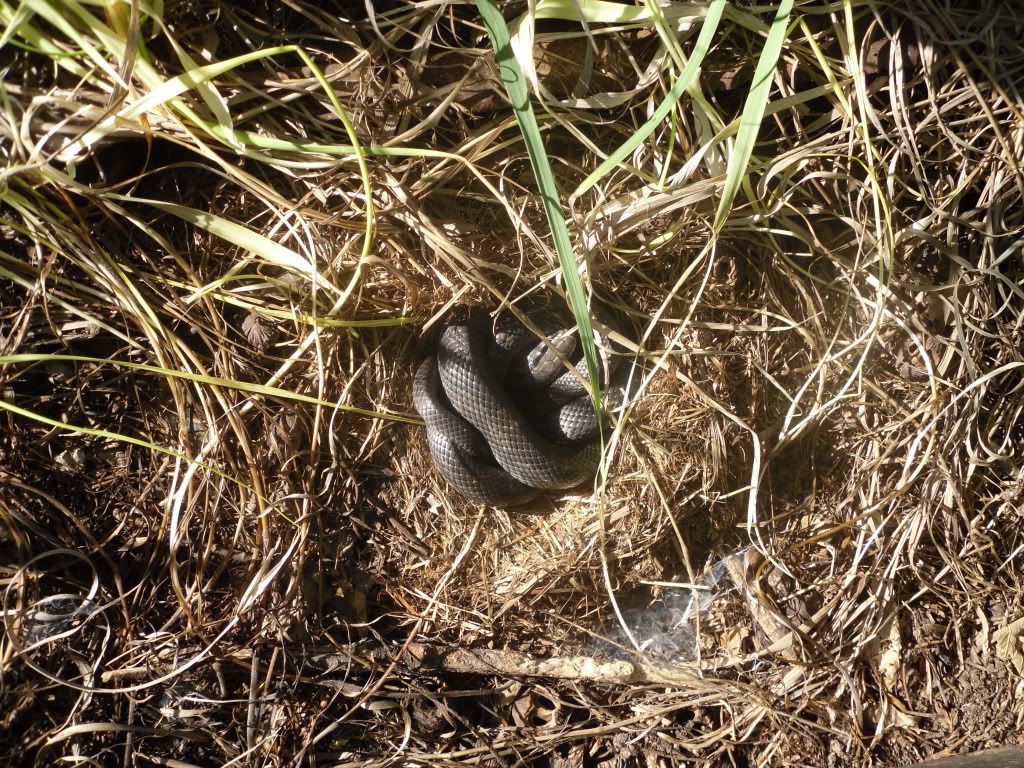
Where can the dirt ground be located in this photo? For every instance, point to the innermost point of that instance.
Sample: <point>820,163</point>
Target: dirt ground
<point>222,538</point>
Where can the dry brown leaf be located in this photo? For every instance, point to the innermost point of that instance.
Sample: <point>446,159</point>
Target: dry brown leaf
<point>890,653</point>
<point>1009,645</point>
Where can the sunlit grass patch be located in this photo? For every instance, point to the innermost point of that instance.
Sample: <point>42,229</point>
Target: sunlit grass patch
<point>226,233</point>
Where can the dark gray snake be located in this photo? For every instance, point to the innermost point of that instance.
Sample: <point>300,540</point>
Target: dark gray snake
<point>505,419</point>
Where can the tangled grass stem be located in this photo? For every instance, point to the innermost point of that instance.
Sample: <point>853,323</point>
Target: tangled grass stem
<point>227,229</point>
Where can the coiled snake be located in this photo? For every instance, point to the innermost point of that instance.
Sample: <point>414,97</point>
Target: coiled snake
<point>505,419</point>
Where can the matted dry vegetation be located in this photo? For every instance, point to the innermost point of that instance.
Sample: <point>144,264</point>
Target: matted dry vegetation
<point>225,231</point>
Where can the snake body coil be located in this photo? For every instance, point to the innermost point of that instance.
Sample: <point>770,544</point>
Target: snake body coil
<point>499,425</point>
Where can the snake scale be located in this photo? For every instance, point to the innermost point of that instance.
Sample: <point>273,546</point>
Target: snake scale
<point>505,419</point>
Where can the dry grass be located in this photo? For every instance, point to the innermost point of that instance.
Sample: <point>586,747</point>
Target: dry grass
<point>223,232</point>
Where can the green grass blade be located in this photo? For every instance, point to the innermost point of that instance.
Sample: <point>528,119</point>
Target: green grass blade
<point>518,93</point>
<point>251,388</point>
<point>234,233</point>
<point>192,79</point>
<point>117,437</point>
<point>753,112</point>
<point>22,14</point>
<point>684,81</point>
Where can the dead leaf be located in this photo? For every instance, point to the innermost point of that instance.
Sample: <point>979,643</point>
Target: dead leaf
<point>890,652</point>
<point>256,332</point>
<point>1008,644</point>
<point>735,640</point>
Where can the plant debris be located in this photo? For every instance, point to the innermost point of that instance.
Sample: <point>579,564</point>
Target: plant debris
<point>226,232</point>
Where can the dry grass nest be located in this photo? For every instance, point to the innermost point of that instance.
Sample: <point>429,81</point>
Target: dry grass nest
<point>226,230</point>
